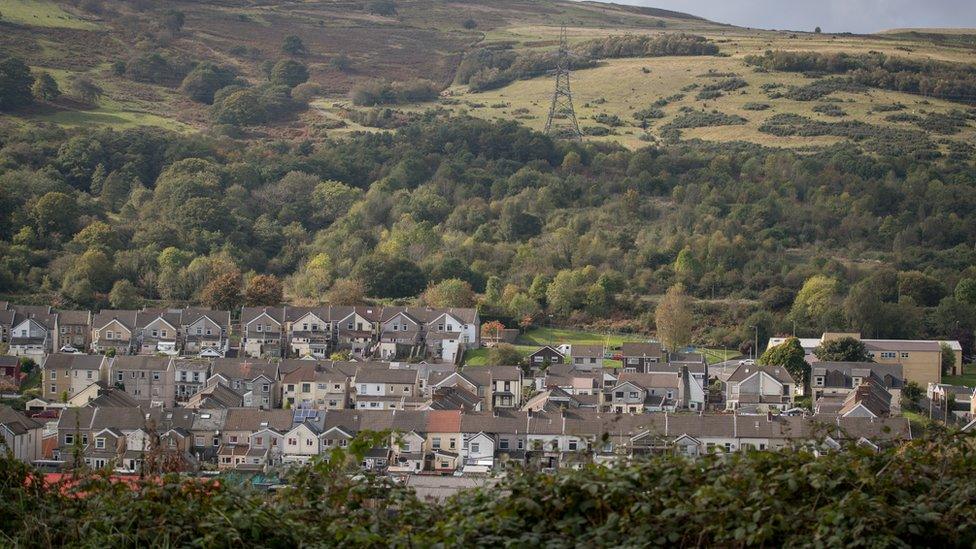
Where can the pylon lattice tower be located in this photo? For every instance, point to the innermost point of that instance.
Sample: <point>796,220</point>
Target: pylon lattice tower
<point>562,116</point>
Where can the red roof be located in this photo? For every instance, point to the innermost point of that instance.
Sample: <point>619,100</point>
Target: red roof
<point>444,421</point>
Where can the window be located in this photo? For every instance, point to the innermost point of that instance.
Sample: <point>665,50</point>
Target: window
<point>572,445</point>
<point>336,386</point>
<point>904,354</point>
<point>69,439</point>
<point>155,333</point>
<point>54,389</point>
<point>453,444</point>
<point>503,444</point>
<point>308,442</point>
<point>109,335</point>
<point>292,442</point>
<point>618,394</point>
<point>475,447</point>
<point>163,333</point>
<point>258,328</point>
<point>362,388</point>
<point>84,438</point>
<point>406,388</point>
<point>306,387</point>
<point>818,381</point>
<point>156,376</point>
<point>537,359</point>
<point>265,388</point>
<point>633,394</point>
<point>199,330</point>
<point>321,386</point>
<point>436,443</point>
<point>198,440</point>
<point>216,441</point>
<point>132,375</point>
<point>54,375</point>
<point>521,444</point>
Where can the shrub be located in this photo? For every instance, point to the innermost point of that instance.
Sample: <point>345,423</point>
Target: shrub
<point>385,92</point>
<point>704,119</point>
<point>751,106</point>
<point>632,45</point>
<point>154,68</point>
<point>829,109</point>
<point>608,119</point>
<point>288,72</point>
<point>204,81</point>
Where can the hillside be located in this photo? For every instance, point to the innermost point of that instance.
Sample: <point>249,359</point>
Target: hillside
<point>348,44</point>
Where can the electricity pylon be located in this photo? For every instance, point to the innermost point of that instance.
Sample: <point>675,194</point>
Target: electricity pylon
<point>562,116</point>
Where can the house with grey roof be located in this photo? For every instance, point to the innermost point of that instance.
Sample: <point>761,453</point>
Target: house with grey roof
<point>755,388</point>
<point>256,380</point>
<point>20,435</point>
<point>148,379</point>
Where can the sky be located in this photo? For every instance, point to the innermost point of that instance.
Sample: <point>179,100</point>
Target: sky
<point>859,16</point>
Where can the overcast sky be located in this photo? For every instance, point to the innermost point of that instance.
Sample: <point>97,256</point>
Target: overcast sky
<point>861,16</point>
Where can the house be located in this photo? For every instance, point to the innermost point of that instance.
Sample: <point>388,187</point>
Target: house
<point>158,332</point>
<point>759,388</point>
<point>313,384</point>
<point>256,380</point>
<point>544,356</point>
<point>6,321</point>
<point>573,380</point>
<point>380,387</point>
<point>214,397</point>
<point>637,357</point>
<point>838,379</point>
<point>637,393</point>
<point>78,429</point>
<point>356,328</point>
<point>190,377</point>
<point>693,377</point>
<point>34,331</point>
<point>148,379</point>
<point>20,435</point>
<point>205,332</point>
<point>206,428</point>
<point>555,398</point>
<point>102,395</point>
<point>302,442</point>
<point>114,329</point>
<point>261,331</point>
<point>63,375</point>
<point>436,333</point>
<point>241,423</point>
<point>444,440</point>
<point>310,331</point>
<point>921,360</point>
<point>586,357</point>
<point>74,331</point>
<point>869,399</point>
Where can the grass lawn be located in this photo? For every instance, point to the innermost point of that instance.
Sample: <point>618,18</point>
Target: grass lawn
<point>42,13</point>
<point>968,377</point>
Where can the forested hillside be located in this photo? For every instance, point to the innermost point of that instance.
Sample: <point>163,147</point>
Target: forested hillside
<point>585,232</point>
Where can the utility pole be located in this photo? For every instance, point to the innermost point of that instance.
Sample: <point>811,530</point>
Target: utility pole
<point>562,116</point>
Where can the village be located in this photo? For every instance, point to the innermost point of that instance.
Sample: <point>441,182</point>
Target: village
<point>118,386</point>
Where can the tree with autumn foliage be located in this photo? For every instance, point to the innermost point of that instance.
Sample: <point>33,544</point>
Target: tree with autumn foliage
<point>492,331</point>
<point>673,318</point>
<point>223,292</point>
<point>263,290</point>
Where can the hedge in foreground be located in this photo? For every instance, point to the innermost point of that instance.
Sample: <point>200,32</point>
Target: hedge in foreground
<point>923,493</point>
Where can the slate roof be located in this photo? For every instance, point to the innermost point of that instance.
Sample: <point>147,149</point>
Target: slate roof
<point>651,349</point>
<point>244,368</point>
<point>71,361</point>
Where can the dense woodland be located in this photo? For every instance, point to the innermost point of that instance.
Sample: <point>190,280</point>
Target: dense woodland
<point>920,494</point>
<point>582,232</point>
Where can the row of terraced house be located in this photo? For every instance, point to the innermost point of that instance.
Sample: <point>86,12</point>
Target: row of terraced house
<point>385,333</point>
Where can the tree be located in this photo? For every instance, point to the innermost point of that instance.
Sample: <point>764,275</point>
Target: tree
<point>263,290</point>
<point>289,72</point>
<point>124,295</point>
<point>912,392</point>
<point>492,331</point>
<point>948,358</point>
<point>55,213</point>
<point>452,292</point>
<point>817,30</point>
<point>816,305</point>
<point>15,84</point>
<point>85,89</point>
<point>45,87</point>
<point>923,289</point>
<point>173,21</point>
<point>293,45</point>
<point>346,291</point>
<point>687,266</point>
<point>384,276</point>
<point>673,319</point>
<point>966,291</point>
<point>789,355</point>
<point>469,24</point>
<point>205,79</point>
<point>223,292</point>
<point>341,62</point>
<point>844,349</point>
<point>504,354</point>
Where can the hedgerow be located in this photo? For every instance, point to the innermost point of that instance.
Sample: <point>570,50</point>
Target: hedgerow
<point>920,494</point>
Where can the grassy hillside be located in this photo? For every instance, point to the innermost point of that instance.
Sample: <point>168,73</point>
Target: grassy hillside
<point>428,38</point>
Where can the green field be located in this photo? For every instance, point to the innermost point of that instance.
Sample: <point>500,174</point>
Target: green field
<point>532,339</point>
<point>42,13</point>
<point>968,377</point>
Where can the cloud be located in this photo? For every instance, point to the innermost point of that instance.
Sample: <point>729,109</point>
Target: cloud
<point>862,16</point>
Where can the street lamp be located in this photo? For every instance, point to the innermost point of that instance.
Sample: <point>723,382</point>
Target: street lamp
<point>755,343</point>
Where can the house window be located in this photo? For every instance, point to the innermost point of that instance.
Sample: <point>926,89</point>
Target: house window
<point>69,439</point>
<point>436,443</point>
<point>537,359</point>
<point>54,375</point>
<point>818,381</point>
<point>619,394</point>
<point>406,388</point>
<point>904,354</point>
<point>308,442</point>
<point>119,377</point>
<point>633,394</point>
<point>475,447</point>
<point>163,333</point>
<point>321,386</point>
<point>521,444</point>
<point>216,441</point>
<point>503,444</point>
<point>453,444</point>
<point>265,388</point>
<point>292,442</point>
<point>54,389</point>
<point>199,330</point>
<point>198,440</point>
<point>109,335</point>
<point>258,328</point>
<point>306,387</point>
<point>156,376</point>
<point>572,445</point>
<point>155,333</point>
